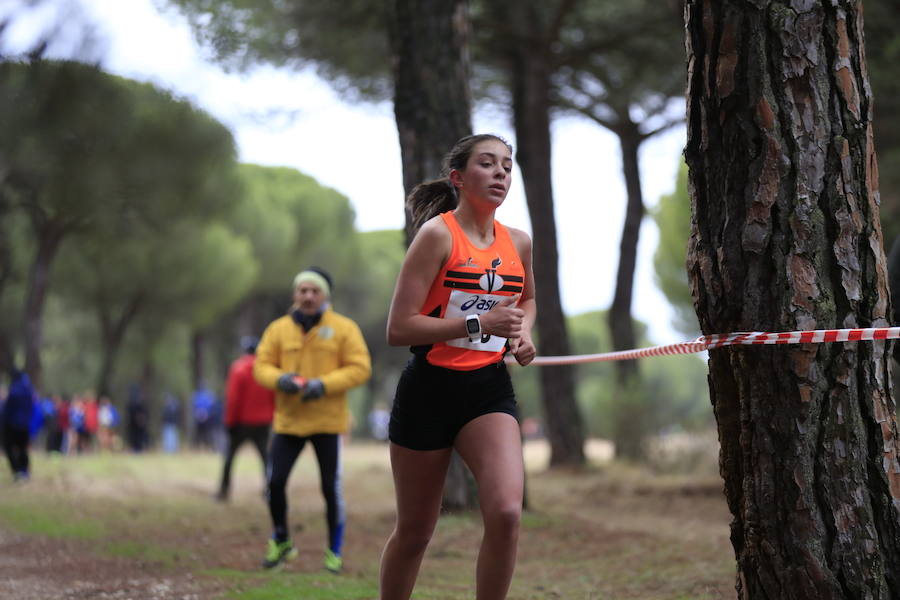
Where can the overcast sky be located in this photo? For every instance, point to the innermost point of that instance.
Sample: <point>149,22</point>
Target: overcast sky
<point>281,117</point>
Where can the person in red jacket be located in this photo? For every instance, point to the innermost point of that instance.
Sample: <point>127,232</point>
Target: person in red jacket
<point>248,413</point>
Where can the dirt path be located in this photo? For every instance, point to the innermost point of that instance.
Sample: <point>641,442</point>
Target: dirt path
<point>33,568</point>
<point>146,528</point>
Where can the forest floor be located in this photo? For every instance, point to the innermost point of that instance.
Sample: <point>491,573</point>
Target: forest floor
<point>146,526</point>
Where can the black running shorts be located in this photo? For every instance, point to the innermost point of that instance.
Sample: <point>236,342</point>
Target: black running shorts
<point>432,404</point>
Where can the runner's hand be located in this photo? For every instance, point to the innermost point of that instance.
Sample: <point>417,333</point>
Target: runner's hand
<point>504,319</point>
<point>313,389</point>
<point>287,384</point>
<point>523,349</point>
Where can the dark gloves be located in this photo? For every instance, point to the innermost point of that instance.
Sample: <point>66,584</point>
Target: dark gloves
<point>313,389</point>
<point>287,383</point>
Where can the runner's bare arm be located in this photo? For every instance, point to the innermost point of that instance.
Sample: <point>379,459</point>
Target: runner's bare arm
<point>522,347</point>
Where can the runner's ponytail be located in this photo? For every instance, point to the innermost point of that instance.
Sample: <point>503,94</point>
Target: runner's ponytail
<point>430,199</point>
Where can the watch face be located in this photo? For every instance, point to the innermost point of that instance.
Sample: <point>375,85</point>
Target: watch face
<point>473,326</point>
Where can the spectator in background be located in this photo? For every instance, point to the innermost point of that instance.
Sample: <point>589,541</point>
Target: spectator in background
<point>379,420</point>
<point>312,357</point>
<point>203,405</point>
<point>171,423</point>
<point>17,414</point>
<point>63,424</point>
<point>248,413</point>
<point>37,418</point>
<point>88,435</point>
<point>138,419</point>
<point>50,406</point>
<point>107,422</point>
<point>77,427</point>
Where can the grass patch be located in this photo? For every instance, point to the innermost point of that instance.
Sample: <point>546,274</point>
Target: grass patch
<point>277,586</point>
<point>48,521</point>
<point>163,557</point>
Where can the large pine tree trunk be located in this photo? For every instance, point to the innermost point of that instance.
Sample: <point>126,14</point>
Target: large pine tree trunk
<point>786,235</point>
<point>432,100</point>
<point>530,74</point>
<point>432,106</point>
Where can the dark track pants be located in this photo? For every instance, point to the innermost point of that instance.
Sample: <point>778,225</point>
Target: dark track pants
<point>15,443</point>
<point>283,454</point>
<point>237,435</point>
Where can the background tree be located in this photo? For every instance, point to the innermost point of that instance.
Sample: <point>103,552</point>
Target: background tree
<point>432,101</point>
<point>628,87</point>
<point>85,150</point>
<point>290,221</point>
<point>433,109</point>
<point>673,220</point>
<point>348,45</point>
<point>785,235</point>
<point>522,43</point>
<point>191,272</point>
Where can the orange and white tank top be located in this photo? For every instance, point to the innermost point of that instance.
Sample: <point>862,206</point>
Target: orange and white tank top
<point>472,281</point>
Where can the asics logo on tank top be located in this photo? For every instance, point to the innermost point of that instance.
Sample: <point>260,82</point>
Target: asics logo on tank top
<point>480,303</point>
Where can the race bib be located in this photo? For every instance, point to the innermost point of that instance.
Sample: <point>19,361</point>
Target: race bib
<point>462,304</point>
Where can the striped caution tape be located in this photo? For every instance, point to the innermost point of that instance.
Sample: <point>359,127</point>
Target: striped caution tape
<point>706,342</point>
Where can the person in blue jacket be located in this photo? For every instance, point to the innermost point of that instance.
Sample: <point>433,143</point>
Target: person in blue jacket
<point>17,414</point>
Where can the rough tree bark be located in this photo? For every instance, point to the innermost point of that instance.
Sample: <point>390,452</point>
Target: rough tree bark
<point>432,100</point>
<point>433,108</point>
<point>786,235</point>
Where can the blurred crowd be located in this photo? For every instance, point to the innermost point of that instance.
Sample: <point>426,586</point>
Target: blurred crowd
<point>71,424</point>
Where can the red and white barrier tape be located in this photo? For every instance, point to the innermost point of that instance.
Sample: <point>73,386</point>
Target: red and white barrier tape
<point>705,342</point>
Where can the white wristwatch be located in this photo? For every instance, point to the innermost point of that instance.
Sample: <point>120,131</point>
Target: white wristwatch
<point>473,327</point>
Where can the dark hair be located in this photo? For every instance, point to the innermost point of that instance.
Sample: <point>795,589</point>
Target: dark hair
<point>325,274</point>
<point>431,198</point>
<point>249,343</point>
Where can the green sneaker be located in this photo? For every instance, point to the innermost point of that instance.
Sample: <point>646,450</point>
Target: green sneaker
<point>277,553</point>
<point>333,562</point>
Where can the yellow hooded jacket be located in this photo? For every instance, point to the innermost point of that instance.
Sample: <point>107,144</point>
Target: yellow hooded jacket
<point>333,351</point>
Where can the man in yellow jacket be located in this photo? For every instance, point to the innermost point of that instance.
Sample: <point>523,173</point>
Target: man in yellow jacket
<point>310,357</point>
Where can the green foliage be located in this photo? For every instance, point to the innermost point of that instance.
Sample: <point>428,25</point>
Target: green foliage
<point>16,249</point>
<point>85,149</point>
<point>142,551</point>
<point>346,42</point>
<point>291,222</point>
<point>48,520</point>
<point>673,219</point>
<point>617,64</point>
<point>672,396</point>
<point>101,167</point>
<point>316,586</point>
<point>371,289</point>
